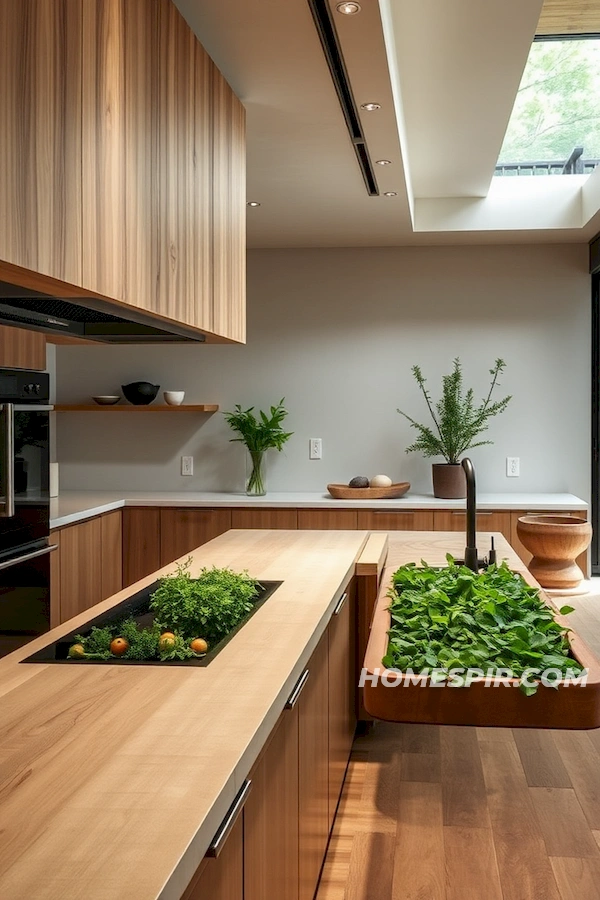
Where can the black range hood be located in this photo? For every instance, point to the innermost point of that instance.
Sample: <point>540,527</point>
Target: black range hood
<point>86,317</point>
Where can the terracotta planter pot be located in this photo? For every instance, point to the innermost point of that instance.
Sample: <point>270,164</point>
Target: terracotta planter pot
<point>449,482</point>
<point>555,542</point>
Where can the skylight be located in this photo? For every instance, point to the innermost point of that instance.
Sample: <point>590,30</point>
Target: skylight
<point>556,111</point>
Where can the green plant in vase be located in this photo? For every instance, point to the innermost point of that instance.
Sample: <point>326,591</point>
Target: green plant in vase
<point>259,433</point>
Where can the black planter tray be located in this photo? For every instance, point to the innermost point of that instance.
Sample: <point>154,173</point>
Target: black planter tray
<point>138,606</point>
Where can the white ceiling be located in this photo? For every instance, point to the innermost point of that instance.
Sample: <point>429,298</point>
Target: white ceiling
<point>445,73</point>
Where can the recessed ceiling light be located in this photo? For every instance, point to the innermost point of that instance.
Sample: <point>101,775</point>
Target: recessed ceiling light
<point>348,9</point>
<point>252,203</point>
<point>391,194</point>
<point>383,162</point>
<point>370,107</point>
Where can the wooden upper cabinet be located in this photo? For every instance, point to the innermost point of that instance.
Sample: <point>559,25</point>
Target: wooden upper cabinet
<point>40,136</point>
<point>228,214</point>
<point>22,349</point>
<point>123,160</point>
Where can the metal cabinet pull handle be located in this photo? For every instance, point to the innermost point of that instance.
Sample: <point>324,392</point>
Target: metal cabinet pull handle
<point>460,512</point>
<point>224,829</point>
<point>393,512</point>
<point>7,461</point>
<point>9,563</point>
<point>340,605</point>
<point>293,698</point>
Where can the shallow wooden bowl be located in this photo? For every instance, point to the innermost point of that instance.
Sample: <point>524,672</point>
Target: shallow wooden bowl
<point>343,492</point>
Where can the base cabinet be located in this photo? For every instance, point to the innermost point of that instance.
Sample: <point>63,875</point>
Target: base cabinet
<point>342,693</point>
<point>313,770</point>
<point>222,878</point>
<point>271,817</point>
<point>86,568</point>
<point>182,530</point>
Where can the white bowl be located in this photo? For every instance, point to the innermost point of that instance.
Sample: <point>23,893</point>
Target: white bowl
<point>174,398</point>
<point>107,399</point>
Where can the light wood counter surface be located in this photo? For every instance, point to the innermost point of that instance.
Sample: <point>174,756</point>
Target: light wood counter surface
<point>113,780</point>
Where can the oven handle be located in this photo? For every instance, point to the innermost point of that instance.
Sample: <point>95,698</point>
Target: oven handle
<point>33,407</point>
<point>7,476</point>
<point>9,563</point>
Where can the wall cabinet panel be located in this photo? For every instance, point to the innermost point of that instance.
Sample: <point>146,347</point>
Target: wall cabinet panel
<point>40,136</point>
<point>22,349</point>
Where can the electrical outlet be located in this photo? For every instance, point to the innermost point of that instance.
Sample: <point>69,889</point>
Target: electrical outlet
<point>315,448</point>
<point>187,465</point>
<point>513,466</point>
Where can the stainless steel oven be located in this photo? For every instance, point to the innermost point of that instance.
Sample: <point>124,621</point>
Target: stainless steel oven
<point>24,507</point>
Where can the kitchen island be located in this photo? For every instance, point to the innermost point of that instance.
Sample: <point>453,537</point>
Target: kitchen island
<point>114,779</point>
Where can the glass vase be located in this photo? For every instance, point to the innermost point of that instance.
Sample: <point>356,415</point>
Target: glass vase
<point>256,473</point>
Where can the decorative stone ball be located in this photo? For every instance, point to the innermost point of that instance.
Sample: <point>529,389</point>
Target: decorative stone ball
<point>359,482</point>
<point>380,481</point>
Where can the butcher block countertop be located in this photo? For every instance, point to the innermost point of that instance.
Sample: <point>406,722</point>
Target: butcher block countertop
<point>113,780</point>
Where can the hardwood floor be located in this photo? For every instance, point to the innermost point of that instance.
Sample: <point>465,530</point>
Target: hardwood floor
<point>451,813</point>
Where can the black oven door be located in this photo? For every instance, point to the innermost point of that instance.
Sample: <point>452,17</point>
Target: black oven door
<point>24,475</point>
<point>24,597</point>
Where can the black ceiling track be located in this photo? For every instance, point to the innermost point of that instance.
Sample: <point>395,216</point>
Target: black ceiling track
<point>337,68</point>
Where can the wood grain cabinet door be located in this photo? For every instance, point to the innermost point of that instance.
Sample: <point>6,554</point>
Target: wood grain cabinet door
<point>313,771</point>
<point>40,136</point>
<point>264,518</point>
<point>80,567</point>
<point>325,519</point>
<point>112,553</point>
<point>271,817</point>
<point>456,520</point>
<point>141,543</point>
<point>22,349</point>
<point>182,530</point>
<point>221,878</point>
<point>342,693</point>
<point>395,520</point>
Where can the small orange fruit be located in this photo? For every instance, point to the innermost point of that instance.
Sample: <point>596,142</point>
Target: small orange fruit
<point>119,646</point>
<point>76,651</point>
<point>198,645</point>
<point>166,641</point>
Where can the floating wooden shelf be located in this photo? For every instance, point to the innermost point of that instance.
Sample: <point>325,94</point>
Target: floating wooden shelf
<point>97,407</point>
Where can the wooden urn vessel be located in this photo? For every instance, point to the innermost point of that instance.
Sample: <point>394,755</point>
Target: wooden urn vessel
<point>555,542</point>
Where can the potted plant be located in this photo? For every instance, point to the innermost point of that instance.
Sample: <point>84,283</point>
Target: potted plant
<point>259,434</point>
<point>457,422</point>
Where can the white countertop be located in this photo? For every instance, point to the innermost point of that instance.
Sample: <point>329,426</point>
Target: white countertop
<point>74,506</point>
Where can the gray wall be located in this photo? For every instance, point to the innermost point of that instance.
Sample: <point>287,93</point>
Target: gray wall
<point>336,332</point>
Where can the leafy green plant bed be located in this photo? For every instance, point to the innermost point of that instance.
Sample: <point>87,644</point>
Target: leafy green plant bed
<point>453,619</point>
<point>179,619</point>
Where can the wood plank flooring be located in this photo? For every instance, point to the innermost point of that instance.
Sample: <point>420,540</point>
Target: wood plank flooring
<point>451,813</point>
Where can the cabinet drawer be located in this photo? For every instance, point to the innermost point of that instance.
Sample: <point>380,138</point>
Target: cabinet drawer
<point>263,518</point>
<point>324,519</point>
<point>456,520</point>
<point>182,530</point>
<point>395,520</point>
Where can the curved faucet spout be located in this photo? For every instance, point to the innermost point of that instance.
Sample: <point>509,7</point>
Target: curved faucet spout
<point>471,549</point>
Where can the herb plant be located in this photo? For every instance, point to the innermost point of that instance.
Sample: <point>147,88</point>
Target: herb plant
<point>260,433</point>
<point>457,419</point>
<point>454,618</point>
<point>207,606</point>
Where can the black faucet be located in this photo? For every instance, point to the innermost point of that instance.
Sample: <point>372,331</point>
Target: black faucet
<point>471,558</point>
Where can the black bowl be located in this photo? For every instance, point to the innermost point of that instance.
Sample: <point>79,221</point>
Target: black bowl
<point>140,393</point>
